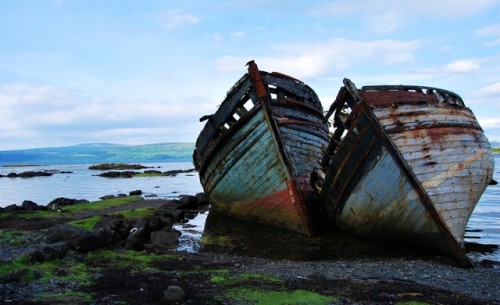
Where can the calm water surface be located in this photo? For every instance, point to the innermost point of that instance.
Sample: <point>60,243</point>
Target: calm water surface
<point>484,225</point>
<point>82,183</point>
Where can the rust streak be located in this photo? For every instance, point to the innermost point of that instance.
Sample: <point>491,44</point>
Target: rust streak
<point>257,80</point>
<point>451,172</point>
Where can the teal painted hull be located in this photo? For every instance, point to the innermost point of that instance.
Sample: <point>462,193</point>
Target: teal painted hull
<point>257,167</point>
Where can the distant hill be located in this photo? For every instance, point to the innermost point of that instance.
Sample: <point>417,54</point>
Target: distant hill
<point>100,153</point>
<point>495,144</point>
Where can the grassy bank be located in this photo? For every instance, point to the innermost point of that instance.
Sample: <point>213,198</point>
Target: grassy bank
<point>91,277</point>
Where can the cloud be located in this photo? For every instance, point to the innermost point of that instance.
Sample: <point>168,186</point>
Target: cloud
<point>216,37</point>
<point>491,127</point>
<point>176,18</point>
<point>491,31</point>
<point>490,123</point>
<point>19,99</point>
<point>387,22</point>
<point>43,115</point>
<point>58,3</point>
<point>462,66</point>
<point>492,43</point>
<point>238,34</point>
<point>323,58</point>
<point>490,90</point>
<point>439,9</point>
<point>385,16</point>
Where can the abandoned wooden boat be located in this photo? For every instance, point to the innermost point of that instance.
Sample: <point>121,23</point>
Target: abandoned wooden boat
<point>405,163</point>
<point>255,155</point>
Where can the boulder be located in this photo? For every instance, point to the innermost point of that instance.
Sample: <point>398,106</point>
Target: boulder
<point>54,207</point>
<point>116,222</point>
<point>188,202</point>
<point>115,229</point>
<point>175,172</point>
<point>138,234</point>
<point>87,242</point>
<point>136,239</point>
<point>157,223</point>
<point>172,210</point>
<point>135,193</point>
<point>61,201</point>
<point>31,174</point>
<point>106,197</point>
<point>165,237</point>
<point>103,238</point>
<point>153,172</point>
<point>165,222</point>
<point>29,205</point>
<point>50,251</point>
<point>115,174</point>
<point>76,237</point>
<point>202,199</point>
<point>174,293</point>
<point>116,166</point>
<point>28,174</point>
<point>141,224</point>
<point>64,232</point>
<point>11,208</point>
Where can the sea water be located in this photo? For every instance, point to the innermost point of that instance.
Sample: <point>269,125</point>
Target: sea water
<point>484,224</point>
<point>79,182</point>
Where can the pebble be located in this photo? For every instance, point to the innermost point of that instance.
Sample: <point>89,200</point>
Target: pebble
<point>174,293</point>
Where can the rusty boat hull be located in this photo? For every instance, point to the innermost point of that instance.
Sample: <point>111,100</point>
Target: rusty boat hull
<point>405,164</point>
<point>255,155</point>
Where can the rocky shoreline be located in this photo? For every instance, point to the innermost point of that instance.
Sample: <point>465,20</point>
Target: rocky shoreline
<point>121,261</point>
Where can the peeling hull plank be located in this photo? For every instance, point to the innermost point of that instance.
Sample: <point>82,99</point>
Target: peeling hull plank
<point>421,186</point>
<point>252,178</point>
<point>449,167</point>
<point>372,197</point>
<point>389,200</point>
<point>253,168</point>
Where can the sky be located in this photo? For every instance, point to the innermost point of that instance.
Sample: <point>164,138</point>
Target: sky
<point>143,72</point>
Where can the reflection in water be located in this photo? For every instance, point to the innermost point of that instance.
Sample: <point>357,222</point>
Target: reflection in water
<point>192,232</point>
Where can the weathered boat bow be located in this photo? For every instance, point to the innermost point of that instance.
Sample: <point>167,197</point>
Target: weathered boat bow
<point>256,153</point>
<point>405,163</point>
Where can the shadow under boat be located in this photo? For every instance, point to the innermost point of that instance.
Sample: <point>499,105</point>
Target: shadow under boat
<point>226,234</point>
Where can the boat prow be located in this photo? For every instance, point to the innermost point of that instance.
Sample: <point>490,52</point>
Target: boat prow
<point>256,153</point>
<point>405,164</point>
